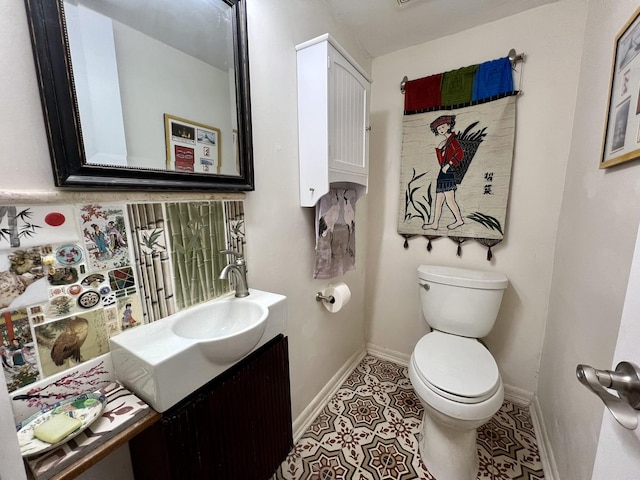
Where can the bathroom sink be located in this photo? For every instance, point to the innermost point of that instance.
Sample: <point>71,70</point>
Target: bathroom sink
<point>165,361</point>
<point>226,330</point>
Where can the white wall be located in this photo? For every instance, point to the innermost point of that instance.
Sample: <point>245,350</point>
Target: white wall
<point>544,123</point>
<point>280,232</point>
<point>596,236</point>
<point>24,156</point>
<point>281,249</point>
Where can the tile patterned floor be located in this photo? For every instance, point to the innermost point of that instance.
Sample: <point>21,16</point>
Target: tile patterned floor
<point>368,431</point>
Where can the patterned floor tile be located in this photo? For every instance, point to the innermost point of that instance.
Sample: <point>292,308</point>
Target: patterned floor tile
<point>486,470</point>
<point>387,459</point>
<point>327,465</point>
<point>323,424</point>
<point>405,402</point>
<point>369,431</point>
<point>364,411</point>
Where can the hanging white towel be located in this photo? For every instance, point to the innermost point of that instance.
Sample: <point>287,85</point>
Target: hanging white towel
<point>335,233</point>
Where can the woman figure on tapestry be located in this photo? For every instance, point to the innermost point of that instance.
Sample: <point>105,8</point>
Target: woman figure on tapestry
<point>115,237</point>
<point>127,317</point>
<point>449,153</point>
<point>100,240</point>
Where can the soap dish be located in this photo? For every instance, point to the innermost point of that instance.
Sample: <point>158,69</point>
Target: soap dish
<point>87,408</point>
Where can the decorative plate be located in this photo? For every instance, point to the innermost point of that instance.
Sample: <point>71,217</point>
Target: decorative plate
<point>89,299</point>
<point>69,254</point>
<point>87,408</point>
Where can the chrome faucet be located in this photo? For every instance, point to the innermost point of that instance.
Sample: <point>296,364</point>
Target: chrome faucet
<point>238,269</point>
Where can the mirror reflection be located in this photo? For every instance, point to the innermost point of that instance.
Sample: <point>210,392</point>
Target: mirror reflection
<point>150,94</point>
<point>155,84</point>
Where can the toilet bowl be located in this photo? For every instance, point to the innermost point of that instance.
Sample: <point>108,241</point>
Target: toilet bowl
<point>461,390</point>
<point>454,375</point>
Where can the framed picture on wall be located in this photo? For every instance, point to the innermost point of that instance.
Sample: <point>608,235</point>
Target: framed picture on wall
<point>191,146</point>
<point>622,132</point>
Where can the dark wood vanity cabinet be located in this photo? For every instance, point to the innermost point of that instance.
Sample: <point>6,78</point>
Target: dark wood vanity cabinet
<point>237,427</point>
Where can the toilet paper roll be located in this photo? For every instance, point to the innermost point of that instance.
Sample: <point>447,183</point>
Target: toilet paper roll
<point>341,294</point>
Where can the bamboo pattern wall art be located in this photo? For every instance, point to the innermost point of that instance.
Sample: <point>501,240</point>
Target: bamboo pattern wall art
<point>234,212</point>
<point>197,233</point>
<point>152,260</point>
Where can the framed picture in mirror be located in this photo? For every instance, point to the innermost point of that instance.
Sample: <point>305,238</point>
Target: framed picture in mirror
<point>193,147</point>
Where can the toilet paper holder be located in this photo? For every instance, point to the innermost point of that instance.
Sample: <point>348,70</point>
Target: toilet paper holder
<point>320,297</point>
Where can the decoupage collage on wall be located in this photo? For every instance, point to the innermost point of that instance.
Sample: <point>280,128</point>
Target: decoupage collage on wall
<point>66,285</point>
<point>71,276</point>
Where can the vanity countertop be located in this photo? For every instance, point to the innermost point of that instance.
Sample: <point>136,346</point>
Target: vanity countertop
<point>124,417</point>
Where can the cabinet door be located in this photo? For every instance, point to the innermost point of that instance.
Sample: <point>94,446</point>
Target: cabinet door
<point>348,116</point>
<point>237,427</point>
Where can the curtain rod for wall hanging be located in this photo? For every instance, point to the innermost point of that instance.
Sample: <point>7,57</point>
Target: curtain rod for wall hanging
<point>513,58</point>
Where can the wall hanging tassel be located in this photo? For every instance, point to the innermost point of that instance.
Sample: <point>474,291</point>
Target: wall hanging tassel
<point>488,242</point>
<point>429,238</point>
<point>459,241</point>
<point>406,242</point>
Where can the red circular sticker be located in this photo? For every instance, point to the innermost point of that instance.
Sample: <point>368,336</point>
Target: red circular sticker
<point>55,219</point>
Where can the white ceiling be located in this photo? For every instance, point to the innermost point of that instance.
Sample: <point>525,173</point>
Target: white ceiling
<point>383,26</point>
<point>200,28</point>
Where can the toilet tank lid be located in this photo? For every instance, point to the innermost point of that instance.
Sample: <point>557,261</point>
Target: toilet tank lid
<point>463,277</point>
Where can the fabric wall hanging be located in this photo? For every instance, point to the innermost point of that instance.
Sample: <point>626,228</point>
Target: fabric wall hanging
<point>457,150</point>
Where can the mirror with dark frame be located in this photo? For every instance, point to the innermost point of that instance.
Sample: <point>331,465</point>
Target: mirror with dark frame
<point>145,94</point>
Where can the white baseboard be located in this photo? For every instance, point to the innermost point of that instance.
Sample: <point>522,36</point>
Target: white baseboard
<point>386,354</point>
<point>544,445</point>
<point>308,415</point>
<point>518,395</point>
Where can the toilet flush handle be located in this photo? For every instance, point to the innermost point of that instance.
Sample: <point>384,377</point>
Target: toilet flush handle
<point>625,380</point>
<point>425,286</point>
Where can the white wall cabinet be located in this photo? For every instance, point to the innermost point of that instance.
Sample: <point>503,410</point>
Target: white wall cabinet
<point>333,120</point>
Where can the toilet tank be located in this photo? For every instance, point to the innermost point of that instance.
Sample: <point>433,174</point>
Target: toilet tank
<point>460,301</point>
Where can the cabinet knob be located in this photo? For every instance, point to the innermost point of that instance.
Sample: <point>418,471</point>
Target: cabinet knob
<point>368,129</point>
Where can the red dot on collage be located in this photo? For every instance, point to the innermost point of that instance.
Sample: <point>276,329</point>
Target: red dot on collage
<point>55,219</point>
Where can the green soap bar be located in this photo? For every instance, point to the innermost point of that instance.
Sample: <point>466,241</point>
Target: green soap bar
<point>56,428</point>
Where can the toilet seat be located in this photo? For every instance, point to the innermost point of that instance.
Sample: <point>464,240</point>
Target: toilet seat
<point>457,368</point>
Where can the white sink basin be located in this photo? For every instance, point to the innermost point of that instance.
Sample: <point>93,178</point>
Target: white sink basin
<point>165,361</point>
<point>226,330</point>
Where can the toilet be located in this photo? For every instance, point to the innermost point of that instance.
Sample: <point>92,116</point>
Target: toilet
<point>454,375</point>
